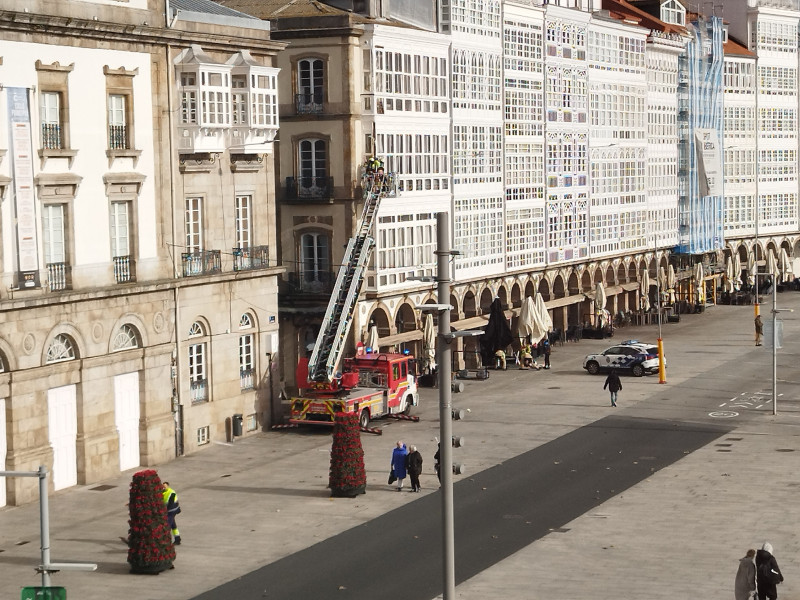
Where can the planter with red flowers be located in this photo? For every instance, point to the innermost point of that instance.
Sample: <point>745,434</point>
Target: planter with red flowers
<point>150,548</point>
<point>348,478</point>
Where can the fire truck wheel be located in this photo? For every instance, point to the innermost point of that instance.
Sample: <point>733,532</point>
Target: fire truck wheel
<point>407,410</point>
<point>363,418</point>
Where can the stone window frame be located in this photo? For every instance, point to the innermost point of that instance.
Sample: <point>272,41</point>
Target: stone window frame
<point>125,187</point>
<point>295,65</point>
<point>60,189</point>
<point>119,82</point>
<point>55,78</point>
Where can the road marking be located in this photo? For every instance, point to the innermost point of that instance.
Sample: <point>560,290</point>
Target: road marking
<point>723,414</point>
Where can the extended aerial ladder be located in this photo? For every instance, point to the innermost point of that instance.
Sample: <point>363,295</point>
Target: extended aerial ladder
<point>341,308</point>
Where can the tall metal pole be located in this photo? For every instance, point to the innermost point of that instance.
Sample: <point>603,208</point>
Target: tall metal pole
<point>44,524</point>
<point>756,309</point>
<point>774,345</point>
<point>445,408</point>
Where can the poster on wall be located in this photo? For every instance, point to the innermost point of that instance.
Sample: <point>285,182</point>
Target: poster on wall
<point>19,119</point>
<point>709,162</point>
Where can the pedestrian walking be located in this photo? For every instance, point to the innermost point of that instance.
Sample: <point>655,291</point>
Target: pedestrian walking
<point>436,466</point>
<point>759,330</point>
<point>614,385</point>
<point>546,348</point>
<point>414,462</point>
<point>173,509</point>
<point>399,455</point>
<point>768,574</point>
<point>745,577</point>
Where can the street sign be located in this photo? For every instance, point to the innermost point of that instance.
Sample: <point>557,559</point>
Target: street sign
<point>44,593</point>
<point>768,333</point>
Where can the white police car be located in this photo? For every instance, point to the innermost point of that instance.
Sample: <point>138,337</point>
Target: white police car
<point>634,356</point>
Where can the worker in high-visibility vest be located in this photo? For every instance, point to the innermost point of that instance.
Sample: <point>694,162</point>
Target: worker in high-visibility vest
<point>173,508</point>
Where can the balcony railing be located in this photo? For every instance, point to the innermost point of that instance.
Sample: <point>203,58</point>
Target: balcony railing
<point>117,137</point>
<point>203,262</point>
<point>124,269</point>
<point>309,188</point>
<point>311,282</point>
<point>245,259</point>
<point>51,136</point>
<point>246,379</point>
<point>198,391</point>
<point>58,277</point>
<point>308,103</point>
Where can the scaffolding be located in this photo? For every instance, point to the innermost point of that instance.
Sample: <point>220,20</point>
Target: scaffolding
<point>700,127</point>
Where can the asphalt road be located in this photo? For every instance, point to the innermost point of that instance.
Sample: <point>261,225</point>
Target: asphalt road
<point>497,512</point>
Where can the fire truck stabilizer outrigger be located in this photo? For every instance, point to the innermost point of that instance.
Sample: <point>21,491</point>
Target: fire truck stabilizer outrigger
<point>370,384</point>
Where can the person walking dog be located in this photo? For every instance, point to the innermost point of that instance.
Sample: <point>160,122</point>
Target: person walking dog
<point>614,385</point>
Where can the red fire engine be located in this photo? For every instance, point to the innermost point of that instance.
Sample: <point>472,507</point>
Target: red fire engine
<point>370,384</point>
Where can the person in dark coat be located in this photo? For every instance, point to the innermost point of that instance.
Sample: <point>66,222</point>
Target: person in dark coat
<point>745,577</point>
<point>399,455</point>
<point>436,466</point>
<point>546,349</point>
<point>768,574</point>
<point>414,462</point>
<point>614,385</point>
<point>759,330</point>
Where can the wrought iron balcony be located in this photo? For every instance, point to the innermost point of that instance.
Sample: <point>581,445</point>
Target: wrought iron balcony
<point>59,277</point>
<point>309,103</point>
<point>247,379</point>
<point>118,137</point>
<point>256,257</point>
<point>203,262</point>
<point>51,136</point>
<point>309,188</point>
<point>124,269</point>
<point>311,282</point>
<point>198,391</point>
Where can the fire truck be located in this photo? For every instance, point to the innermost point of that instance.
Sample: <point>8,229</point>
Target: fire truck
<point>370,384</point>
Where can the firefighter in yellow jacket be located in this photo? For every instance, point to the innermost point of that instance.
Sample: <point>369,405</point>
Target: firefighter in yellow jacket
<point>173,508</point>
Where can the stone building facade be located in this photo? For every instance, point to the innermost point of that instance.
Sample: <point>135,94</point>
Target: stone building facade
<point>138,305</point>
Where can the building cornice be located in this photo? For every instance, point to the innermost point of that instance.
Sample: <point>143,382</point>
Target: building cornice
<point>34,25</point>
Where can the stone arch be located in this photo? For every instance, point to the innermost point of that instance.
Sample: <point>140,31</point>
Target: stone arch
<point>379,317</point>
<point>7,358</point>
<point>573,284</point>
<point>610,279</point>
<point>633,272</point>
<point>598,276</point>
<point>743,254</point>
<point>470,308</point>
<point>503,295</point>
<point>586,281</point>
<point>405,319</point>
<point>530,288</point>
<point>141,331</point>
<point>71,332</point>
<point>558,286</point>
<point>544,289</point>
<point>516,296</point>
<point>622,272</point>
<point>486,300</point>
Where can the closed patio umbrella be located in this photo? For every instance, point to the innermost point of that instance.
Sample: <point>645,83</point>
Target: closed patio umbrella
<point>737,272</point>
<point>700,284</point>
<point>529,326</point>
<point>600,304</point>
<point>672,280</point>
<point>428,343</point>
<point>544,314</point>
<point>372,339</point>
<point>644,290</point>
<point>772,263</point>
<point>751,269</point>
<point>729,276</point>
<point>786,266</point>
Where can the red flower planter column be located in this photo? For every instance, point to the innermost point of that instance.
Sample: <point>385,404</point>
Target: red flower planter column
<point>348,478</point>
<point>150,548</point>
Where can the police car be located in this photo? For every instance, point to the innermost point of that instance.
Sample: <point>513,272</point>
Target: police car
<point>634,356</point>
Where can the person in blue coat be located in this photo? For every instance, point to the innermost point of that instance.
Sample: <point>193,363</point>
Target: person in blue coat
<point>399,463</point>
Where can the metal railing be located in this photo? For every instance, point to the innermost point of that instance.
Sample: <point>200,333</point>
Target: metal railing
<point>256,257</point>
<point>51,136</point>
<point>118,137</point>
<point>247,379</point>
<point>310,103</point>
<point>198,391</point>
<point>309,187</point>
<point>124,269</point>
<point>311,282</point>
<point>203,262</point>
<point>58,277</point>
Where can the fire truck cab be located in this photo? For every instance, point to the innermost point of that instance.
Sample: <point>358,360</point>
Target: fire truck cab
<point>370,385</point>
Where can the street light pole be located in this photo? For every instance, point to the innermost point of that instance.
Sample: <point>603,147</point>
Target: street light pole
<point>445,409</point>
<point>774,345</point>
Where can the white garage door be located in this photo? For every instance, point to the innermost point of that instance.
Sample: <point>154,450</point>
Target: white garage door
<point>3,450</point>
<point>62,419</point>
<point>126,415</point>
